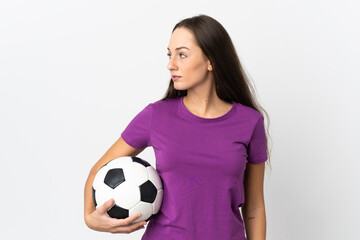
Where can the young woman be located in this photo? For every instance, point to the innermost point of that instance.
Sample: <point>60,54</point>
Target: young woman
<point>209,141</point>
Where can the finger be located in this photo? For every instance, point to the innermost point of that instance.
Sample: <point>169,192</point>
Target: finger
<point>105,207</point>
<point>128,228</point>
<point>136,226</point>
<point>128,220</point>
<point>139,228</point>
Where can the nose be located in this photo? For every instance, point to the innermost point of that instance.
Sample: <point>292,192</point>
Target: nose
<point>172,64</point>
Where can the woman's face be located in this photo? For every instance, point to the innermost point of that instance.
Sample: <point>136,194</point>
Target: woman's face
<point>187,60</point>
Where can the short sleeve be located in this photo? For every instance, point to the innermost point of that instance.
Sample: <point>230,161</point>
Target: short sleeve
<point>138,131</point>
<point>257,145</point>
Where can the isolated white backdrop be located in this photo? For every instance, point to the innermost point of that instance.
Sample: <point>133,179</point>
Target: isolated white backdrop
<point>74,73</point>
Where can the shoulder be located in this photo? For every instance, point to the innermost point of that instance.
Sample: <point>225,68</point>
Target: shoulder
<point>164,103</point>
<point>248,112</point>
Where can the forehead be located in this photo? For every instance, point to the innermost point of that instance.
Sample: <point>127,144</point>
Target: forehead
<point>182,37</point>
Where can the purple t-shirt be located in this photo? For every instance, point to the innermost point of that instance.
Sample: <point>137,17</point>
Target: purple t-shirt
<point>201,162</point>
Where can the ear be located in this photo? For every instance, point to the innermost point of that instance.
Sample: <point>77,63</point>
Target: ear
<point>209,66</point>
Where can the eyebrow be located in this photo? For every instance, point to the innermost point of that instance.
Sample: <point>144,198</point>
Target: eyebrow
<point>176,49</point>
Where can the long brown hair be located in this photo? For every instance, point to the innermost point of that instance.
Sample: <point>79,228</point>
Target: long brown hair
<point>231,82</point>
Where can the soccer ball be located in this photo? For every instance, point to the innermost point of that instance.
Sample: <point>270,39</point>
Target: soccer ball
<point>133,183</point>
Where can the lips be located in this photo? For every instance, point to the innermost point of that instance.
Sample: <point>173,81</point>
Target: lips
<point>175,77</point>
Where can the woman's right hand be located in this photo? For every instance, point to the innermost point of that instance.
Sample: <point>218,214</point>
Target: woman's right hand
<point>100,220</point>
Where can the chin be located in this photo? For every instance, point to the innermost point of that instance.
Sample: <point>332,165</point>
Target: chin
<point>180,88</point>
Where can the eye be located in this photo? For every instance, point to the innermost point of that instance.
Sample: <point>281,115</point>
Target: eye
<point>180,54</point>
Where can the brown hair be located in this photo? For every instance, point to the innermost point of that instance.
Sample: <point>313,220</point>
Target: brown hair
<point>231,82</point>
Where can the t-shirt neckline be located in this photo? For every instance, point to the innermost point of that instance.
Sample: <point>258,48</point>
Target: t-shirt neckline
<point>190,115</point>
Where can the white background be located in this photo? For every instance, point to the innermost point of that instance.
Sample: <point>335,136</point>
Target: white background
<point>74,73</point>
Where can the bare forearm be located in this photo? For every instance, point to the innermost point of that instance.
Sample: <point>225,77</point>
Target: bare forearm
<point>89,205</point>
<point>255,223</point>
<point>88,202</point>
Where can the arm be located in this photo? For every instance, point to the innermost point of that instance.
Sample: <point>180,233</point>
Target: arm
<point>98,219</point>
<point>253,210</point>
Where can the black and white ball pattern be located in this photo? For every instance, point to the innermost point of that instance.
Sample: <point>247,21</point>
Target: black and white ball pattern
<point>134,185</point>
